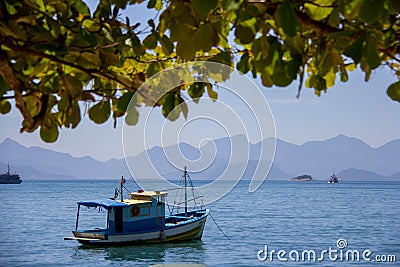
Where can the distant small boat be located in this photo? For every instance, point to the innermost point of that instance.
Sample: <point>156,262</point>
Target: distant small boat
<point>8,178</point>
<point>142,219</point>
<point>305,177</point>
<point>334,179</point>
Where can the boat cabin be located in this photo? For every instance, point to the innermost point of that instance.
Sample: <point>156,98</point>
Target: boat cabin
<point>143,211</point>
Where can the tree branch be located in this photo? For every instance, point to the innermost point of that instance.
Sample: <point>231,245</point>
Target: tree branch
<point>7,73</point>
<point>93,72</point>
<point>319,27</point>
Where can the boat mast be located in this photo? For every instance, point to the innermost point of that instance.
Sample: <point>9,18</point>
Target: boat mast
<point>121,183</point>
<point>184,174</point>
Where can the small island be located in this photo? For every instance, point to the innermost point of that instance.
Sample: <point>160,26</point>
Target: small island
<point>305,178</point>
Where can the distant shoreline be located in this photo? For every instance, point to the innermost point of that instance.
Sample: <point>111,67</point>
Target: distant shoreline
<point>200,181</point>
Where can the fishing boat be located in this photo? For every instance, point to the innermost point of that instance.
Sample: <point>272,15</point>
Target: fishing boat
<point>334,179</point>
<point>8,178</point>
<point>141,218</point>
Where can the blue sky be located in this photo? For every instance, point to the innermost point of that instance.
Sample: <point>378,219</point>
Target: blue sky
<point>356,108</point>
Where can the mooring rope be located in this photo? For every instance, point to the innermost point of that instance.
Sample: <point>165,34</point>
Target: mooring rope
<point>219,227</point>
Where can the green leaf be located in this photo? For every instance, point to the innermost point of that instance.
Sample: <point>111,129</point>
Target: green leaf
<point>171,109</point>
<point>216,73</point>
<point>5,106</point>
<point>334,18</point>
<point>253,69</point>
<point>100,112</point>
<point>211,93</point>
<point>311,81</point>
<point>266,80</point>
<point>3,86</point>
<point>159,5</point>
<point>108,59</point>
<point>180,32</point>
<point>169,104</point>
<point>292,67</point>
<point>81,7</point>
<point>132,116</point>
<point>185,49</point>
<point>320,84</point>
<point>135,41</point>
<point>89,60</point>
<point>63,104</point>
<point>394,91</point>
<point>330,60</point>
<point>344,77</point>
<point>10,8</point>
<point>317,11</point>
<point>151,3</point>
<point>370,53</point>
<point>244,34</point>
<point>49,134</point>
<point>184,108</point>
<point>167,45</point>
<point>153,68</point>
<point>287,18</point>
<point>33,71</point>
<point>73,85</point>
<point>124,101</point>
<point>195,91</point>
<point>150,41</point>
<point>354,50</point>
<point>260,50</point>
<point>73,116</point>
<point>91,25</point>
<point>243,64</point>
<point>203,38</point>
<point>366,69</point>
<point>151,23</point>
<point>33,104</point>
<point>371,11</point>
<point>202,7</point>
<point>330,78</point>
<point>274,57</point>
<point>280,77</point>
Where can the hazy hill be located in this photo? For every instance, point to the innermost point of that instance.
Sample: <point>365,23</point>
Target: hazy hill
<point>29,173</point>
<point>44,163</point>
<point>350,158</point>
<point>321,158</point>
<point>361,175</point>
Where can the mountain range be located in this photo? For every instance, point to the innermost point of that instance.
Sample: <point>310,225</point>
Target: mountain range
<point>350,158</point>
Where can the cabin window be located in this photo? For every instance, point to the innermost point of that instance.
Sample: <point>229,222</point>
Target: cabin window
<point>145,211</point>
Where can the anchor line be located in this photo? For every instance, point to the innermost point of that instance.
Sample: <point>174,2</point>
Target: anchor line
<point>219,227</point>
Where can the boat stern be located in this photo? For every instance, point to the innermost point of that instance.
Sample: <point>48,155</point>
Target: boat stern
<point>89,236</point>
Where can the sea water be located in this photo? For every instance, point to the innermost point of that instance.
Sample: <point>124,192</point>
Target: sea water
<point>282,223</point>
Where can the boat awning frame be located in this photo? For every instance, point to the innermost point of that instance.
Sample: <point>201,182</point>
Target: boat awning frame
<point>105,203</point>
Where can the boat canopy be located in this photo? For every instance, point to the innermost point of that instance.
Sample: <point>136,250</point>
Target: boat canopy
<point>105,203</point>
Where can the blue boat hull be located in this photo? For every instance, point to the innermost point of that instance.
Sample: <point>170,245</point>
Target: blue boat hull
<point>177,228</point>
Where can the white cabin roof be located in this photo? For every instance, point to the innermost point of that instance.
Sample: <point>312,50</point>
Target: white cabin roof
<point>146,196</point>
<point>130,201</point>
<point>149,193</point>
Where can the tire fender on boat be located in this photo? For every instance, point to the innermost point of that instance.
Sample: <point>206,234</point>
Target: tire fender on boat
<point>135,211</point>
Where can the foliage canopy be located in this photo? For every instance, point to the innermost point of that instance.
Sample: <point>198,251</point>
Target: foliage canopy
<point>56,54</point>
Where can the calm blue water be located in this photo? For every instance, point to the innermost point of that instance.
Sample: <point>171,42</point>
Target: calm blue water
<point>282,215</point>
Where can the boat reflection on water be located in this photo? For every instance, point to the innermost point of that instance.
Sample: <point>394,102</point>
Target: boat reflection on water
<point>144,255</point>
